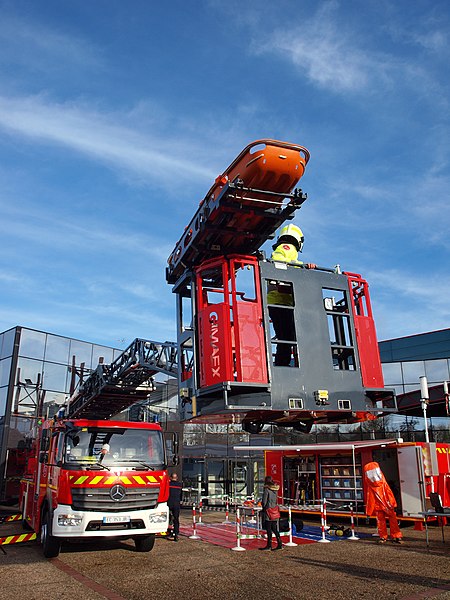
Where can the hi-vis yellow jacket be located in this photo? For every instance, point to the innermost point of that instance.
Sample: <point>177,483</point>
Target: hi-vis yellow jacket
<point>282,253</point>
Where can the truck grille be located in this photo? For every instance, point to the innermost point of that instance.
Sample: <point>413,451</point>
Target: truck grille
<point>99,499</point>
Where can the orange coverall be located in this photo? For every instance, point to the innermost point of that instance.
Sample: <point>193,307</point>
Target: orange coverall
<point>380,501</point>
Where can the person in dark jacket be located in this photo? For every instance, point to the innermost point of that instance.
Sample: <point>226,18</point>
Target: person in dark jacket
<point>270,500</point>
<point>174,504</point>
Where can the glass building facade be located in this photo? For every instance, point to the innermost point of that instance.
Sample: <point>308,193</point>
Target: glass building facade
<point>38,370</point>
<point>406,359</point>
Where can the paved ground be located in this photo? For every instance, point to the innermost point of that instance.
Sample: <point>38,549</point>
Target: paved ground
<point>195,569</point>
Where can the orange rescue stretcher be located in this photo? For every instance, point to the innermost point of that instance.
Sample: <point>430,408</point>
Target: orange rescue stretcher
<point>267,165</point>
<point>255,184</point>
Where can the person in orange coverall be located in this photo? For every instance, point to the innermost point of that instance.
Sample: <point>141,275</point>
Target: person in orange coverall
<point>380,502</point>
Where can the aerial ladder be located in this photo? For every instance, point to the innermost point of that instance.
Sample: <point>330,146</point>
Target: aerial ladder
<point>225,336</point>
<point>112,388</point>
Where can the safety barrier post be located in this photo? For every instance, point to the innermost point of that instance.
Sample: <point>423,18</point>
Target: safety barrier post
<point>290,542</point>
<point>200,511</point>
<point>352,524</point>
<point>238,547</point>
<point>194,535</point>
<point>252,516</point>
<point>323,521</point>
<point>227,510</point>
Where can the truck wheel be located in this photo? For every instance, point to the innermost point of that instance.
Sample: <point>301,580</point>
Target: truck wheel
<point>144,544</point>
<point>50,544</point>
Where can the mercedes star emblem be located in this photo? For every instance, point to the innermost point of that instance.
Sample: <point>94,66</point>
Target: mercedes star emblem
<point>117,493</point>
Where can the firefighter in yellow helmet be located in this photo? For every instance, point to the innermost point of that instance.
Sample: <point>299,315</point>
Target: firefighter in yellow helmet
<point>289,243</point>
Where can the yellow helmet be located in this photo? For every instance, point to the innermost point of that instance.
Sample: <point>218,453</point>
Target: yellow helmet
<point>291,234</point>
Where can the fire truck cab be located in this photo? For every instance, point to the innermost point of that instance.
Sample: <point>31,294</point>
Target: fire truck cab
<point>91,479</point>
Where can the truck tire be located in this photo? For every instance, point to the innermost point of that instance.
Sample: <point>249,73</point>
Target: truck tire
<point>144,544</point>
<point>50,544</point>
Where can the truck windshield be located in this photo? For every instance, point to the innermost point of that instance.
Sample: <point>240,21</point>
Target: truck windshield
<point>113,448</point>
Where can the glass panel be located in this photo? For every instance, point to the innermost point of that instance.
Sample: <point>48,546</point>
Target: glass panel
<point>29,370</point>
<point>5,368</point>
<point>193,435</point>
<point>3,398</point>
<point>412,388</point>
<point>216,444</point>
<point>412,371</point>
<point>101,352</point>
<point>82,352</point>
<point>25,400</point>
<point>57,349</point>
<point>56,398</point>
<point>8,342</point>
<point>392,373</point>
<point>436,370</point>
<point>32,344</point>
<point>117,352</point>
<point>216,480</point>
<point>23,425</point>
<point>399,389</point>
<point>115,447</point>
<point>239,482</point>
<point>55,377</point>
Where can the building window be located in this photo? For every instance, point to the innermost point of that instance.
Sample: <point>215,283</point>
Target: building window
<point>412,371</point>
<point>392,373</point>
<point>7,346</point>
<point>57,349</point>
<point>32,344</point>
<point>5,371</point>
<point>437,370</point>
<point>82,351</point>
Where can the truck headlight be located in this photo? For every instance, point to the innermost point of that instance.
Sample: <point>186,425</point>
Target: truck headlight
<point>69,520</point>
<point>158,517</point>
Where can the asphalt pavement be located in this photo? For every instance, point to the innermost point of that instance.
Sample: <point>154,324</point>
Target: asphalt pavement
<point>341,569</point>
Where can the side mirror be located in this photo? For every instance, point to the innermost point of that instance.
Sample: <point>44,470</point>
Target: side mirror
<point>175,460</point>
<point>43,457</point>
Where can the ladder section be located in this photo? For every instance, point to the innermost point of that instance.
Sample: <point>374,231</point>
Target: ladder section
<point>128,379</point>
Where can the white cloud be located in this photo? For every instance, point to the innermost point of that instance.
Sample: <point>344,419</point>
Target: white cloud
<point>99,136</point>
<point>320,48</point>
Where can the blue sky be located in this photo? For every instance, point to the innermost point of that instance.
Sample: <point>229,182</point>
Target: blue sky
<point>115,117</point>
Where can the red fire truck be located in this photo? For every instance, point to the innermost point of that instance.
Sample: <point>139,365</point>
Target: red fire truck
<point>91,477</point>
<point>310,473</point>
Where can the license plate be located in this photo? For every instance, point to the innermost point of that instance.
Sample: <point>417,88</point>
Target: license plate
<point>114,519</point>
